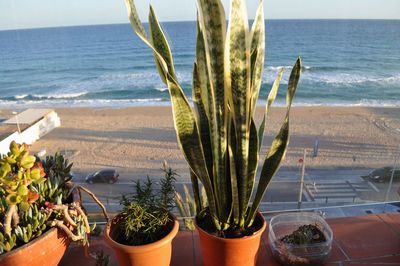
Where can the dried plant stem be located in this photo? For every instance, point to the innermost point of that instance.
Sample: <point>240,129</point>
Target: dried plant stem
<point>91,194</point>
<point>61,225</point>
<point>85,220</point>
<point>7,221</point>
<point>66,216</point>
<point>15,218</point>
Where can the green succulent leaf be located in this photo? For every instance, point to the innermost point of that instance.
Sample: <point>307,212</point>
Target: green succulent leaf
<point>24,206</point>
<point>22,190</point>
<point>13,199</point>
<point>14,148</point>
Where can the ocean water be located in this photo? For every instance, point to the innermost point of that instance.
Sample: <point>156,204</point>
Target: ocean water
<point>346,63</point>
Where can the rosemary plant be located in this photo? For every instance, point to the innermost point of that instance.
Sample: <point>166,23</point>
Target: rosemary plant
<point>146,212</point>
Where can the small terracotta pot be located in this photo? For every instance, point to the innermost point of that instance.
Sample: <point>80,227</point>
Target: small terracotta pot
<point>46,250</point>
<point>230,251</point>
<point>157,253</point>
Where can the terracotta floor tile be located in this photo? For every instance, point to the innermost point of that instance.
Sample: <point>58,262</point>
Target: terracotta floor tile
<point>269,258</point>
<point>367,240</point>
<point>395,225</point>
<point>75,254</point>
<point>337,253</point>
<point>197,250</point>
<point>394,216</point>
<point>182,249</point>
<point>365,236</point>
<point>389,260</point>
<point>265,255</point>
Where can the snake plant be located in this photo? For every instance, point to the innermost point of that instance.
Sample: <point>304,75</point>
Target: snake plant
<point>219,137</point>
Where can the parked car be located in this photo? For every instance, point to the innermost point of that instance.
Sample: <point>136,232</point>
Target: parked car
<point>383,175</point>
<point>103,176</point>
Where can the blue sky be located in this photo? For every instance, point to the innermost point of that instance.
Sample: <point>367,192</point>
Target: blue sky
<point>51,13</point>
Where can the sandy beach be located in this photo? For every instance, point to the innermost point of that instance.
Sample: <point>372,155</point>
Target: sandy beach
<point>136,140</point>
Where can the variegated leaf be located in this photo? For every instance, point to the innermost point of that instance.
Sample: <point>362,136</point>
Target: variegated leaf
<point>213,25</point>
<point>234,186</point>
<point>270,100</point>
<point>189,140</point>
<point>157,38</point>
<point>252,160</point>
<point>202,119</point>
<point>184,119</point>
<point>257,49</point>
<point>196,193</point>
<point>278,148</point>
<point>237,71</point>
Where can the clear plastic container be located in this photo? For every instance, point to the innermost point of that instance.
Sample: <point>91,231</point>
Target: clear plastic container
<point>299,255</point>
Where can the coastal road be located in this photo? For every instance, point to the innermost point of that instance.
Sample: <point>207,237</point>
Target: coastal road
<point>321,186</point>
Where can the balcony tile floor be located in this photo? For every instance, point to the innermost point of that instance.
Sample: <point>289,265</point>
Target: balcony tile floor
<point>365,240</point>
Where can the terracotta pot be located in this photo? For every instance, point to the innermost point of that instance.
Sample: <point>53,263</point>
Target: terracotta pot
<point>46,250</point>
<point>157,253</point>
<point>230,251</point>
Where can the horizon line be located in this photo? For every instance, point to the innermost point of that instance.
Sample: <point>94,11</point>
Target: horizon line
<point>182,21</point>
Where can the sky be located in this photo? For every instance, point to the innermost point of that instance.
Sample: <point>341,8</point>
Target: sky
<point>16,14</point>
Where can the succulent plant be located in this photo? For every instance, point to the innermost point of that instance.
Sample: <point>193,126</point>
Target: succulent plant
<point>35,195</point>
<point>18,170</point>
<point>219,138</point>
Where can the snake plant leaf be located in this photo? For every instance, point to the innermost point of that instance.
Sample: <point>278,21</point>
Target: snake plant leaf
<point>293,82</point>
<point>134,18</point>
<point>196,193</point>
<point>234,186</point>
<point>211,18</point>
<point>257,49</point>
<point>270,100</point>
<point>252,160</point>
<point>189,139</point>
<point>157,38</point>
<point>184,119</point>
<point>278,148</point>
<point>213,25</point>
<point>202,119</point>
<point>237,60</point>
<point>203,77</point>
<point>141,33</point>
<point>207,97</point>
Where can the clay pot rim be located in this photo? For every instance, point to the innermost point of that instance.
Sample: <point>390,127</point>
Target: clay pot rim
<point>52,230</point>
<point>141,248</point>
<point>234,240</point>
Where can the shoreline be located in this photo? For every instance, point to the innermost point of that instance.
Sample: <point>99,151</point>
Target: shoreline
<point>133,103</point>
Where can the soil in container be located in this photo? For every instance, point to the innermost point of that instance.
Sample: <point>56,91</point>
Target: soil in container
<point>306,235</point>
